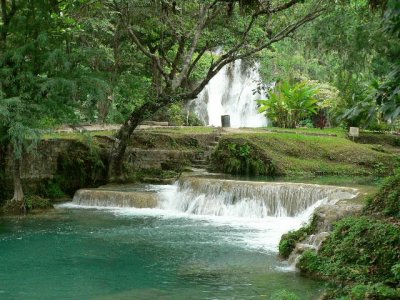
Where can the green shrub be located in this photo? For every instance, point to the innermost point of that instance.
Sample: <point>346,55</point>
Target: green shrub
<point>37,202</point>
<point>310,262</point>
<point>288,241</point>
<point>284,295</point>
<point>177,114</point>
<point>288,104</point>
<point>387,200</point>
<point>360,257</point>
<point>374,291</point>
<point>51,189</point>
<point>241,157</point>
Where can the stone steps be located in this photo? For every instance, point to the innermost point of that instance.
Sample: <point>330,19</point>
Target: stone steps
<point>202,158</point>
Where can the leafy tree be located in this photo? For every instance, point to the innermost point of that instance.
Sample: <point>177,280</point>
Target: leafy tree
<point>27,52</point>
<point>43,77</point>
<point>345,48</point>
<point>175,38</point>
<point>388,95</point>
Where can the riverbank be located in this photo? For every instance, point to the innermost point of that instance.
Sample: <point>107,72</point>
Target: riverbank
<point>66,161</point>
<point>358,252</point>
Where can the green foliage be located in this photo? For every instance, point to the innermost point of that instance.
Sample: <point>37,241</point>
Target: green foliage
<point>310,263</point>
<point>361,256</point>
<point>388,95</point>
<point>387,200</point>
<point>348,49</point>
<point>294,153</point>
<point>361,253</point>
<point>288,104</point>
<point>374,291</point>
<point>31,202</point>
<point>239,157</point>
<point>396,271</point>
<point>177,114</point>
<point>80,165</point>
<point>51,189</point>
<point>284,295</point>
<point>36,202</point>
<point>288,241</point>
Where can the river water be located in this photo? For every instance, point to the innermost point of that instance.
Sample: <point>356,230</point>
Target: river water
<point>83,252</point>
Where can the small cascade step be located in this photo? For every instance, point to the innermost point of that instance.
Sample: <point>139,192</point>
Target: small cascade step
<point>215,196</point>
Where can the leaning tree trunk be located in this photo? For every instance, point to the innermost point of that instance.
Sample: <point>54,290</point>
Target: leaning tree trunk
<point>115,171</point>
<point>118,149</point>
<point>18,191</point>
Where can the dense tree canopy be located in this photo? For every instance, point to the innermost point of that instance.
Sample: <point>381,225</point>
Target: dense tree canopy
<point>121,61</point>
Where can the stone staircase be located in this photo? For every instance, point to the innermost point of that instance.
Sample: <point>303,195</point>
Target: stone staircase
<point>202,158</point>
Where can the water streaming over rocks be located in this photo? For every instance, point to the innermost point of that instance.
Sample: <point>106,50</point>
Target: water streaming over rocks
<point>110,198</point>
<point>203,196</point>
<point>265,209</point>
<point>231,92</point>
<point>217,197</point>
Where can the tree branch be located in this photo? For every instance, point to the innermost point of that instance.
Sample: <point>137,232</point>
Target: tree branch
<point>284,32</point>
<point>178,56</point>
<point>186,63</point>
<point>231,56</point>
<point>150,55</point>
<point>281,7</point>
<point>196,60</point>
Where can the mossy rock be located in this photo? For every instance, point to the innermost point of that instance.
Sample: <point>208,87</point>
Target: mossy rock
<point>32,203</point>
<point>79,166</point>
<point>289,240</point>
<point>13,208</point>
<point>360,251</point>
<point>387,200</point>
<point>241,157</point>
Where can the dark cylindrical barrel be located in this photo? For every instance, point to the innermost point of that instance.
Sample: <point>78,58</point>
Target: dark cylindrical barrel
<point>226,121</point>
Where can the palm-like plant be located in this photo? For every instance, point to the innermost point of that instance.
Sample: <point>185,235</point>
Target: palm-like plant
<point>289,104</point>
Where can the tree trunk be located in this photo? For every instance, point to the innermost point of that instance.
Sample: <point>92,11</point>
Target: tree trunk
<point>115,172</point>
<point>120,144</point>
<point>18,191</point>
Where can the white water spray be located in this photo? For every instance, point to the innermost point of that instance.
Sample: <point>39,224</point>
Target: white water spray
<point>261,211</point>
<point>231,198</point>
<point>231,92</point>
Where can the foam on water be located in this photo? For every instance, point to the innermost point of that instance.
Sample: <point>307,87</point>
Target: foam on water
<point>257,211</point>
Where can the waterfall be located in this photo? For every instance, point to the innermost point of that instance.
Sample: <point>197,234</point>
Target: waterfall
<point>267,210</point>
<point>112,198</point>
<point>217,197</point>
<point>230,92</point>
<point>231,198</point>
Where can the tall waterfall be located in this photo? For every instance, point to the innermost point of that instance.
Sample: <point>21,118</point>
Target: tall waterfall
<point>249,199</point>
<point>230,92</point>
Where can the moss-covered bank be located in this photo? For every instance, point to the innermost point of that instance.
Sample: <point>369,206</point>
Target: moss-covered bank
<point>63,163</point>
<point>289,154</point>
<point>361,257</point>
<point>55,170</point>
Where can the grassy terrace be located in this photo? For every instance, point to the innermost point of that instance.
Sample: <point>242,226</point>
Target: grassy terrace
<point>293,152</point>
